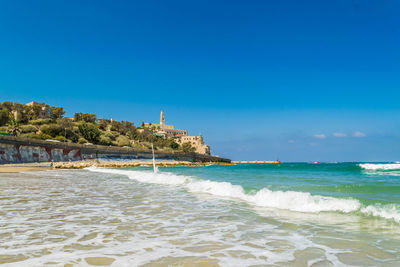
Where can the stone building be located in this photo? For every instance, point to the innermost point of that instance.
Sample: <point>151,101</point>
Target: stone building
<point>163,129</point>
<point>180,136</point>
<point>197,142</point>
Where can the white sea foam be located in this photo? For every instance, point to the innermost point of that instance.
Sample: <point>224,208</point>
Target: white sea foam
<point>289,200</point>
<point>303,201</point>
<point>146,176</point>
<point>389,211</point>
<point>371,166</point>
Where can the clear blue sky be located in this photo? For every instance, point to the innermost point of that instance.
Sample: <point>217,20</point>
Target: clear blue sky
<point>298,80</point>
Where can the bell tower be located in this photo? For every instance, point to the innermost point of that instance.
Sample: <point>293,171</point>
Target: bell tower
<point>162,118</point>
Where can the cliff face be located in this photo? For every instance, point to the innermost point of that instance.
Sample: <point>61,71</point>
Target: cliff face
<point>22,150</point>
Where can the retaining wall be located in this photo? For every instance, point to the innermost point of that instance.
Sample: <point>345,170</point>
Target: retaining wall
<point>24,150</point>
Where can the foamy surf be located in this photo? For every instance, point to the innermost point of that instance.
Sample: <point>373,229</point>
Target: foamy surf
<point>146,176</point>
<point>288,200</point>
<point>372,166</point>
<point>390,211</point>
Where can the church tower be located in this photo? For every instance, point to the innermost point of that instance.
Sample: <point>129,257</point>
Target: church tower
<point>162,119</point>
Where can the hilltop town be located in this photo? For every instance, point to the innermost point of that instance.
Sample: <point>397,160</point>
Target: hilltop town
<point>45,122</point>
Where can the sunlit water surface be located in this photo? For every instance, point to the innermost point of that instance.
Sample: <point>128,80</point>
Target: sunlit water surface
<point>181,217</point>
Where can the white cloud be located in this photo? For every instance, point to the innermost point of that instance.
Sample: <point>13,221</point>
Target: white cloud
<point>320,136</point>
<point>339,134</point>
<point>359,134</point>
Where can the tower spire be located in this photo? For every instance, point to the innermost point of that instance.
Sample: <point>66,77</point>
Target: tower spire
<point>162,118</point>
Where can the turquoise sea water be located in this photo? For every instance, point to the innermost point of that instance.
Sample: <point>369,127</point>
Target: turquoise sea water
<point>371,184</point>
<point>290,214</point>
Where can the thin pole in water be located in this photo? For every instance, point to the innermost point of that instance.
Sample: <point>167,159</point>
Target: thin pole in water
<point>154,160</point>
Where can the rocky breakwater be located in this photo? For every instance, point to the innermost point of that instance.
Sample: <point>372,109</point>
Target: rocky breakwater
<point>124,164</point>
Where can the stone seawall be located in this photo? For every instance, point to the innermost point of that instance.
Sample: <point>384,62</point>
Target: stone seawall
<point>24,150</point>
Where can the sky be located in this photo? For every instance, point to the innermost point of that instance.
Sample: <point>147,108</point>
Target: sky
<point>260,80</point>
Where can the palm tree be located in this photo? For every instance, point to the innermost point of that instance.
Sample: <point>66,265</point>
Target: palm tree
<point>13,127</point>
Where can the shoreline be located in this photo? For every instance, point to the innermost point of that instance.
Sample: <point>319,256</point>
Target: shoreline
<point>257,162</point>
<point>41,166</point>
<point>124,164</point>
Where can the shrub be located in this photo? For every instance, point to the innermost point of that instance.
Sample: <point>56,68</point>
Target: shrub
<point>40,121</point>
<point>28,129</point>
<point>72,135</point>
<point>89,131</point>
<point>174,145</point>
<point>122,140</point>
<point>41,136</point>
<point>112,135</point>
<point>82,140</point>
<point>3,129</point>
<point>60,138</point>
<point>105,141</point>
<point>52,129</point>
<point>187,147</point>
<point>26,135</point>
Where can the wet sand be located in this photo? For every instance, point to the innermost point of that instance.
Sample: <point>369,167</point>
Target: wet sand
<point>24,167</point>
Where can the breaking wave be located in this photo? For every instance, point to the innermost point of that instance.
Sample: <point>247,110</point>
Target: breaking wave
<point>371,166</point>
<point>390,211</point>
<point>288,200</point>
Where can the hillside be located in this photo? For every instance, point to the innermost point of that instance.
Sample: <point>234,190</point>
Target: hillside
<point>45,122</point>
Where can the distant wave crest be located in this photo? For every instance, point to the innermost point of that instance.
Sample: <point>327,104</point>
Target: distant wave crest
<point>371,166</point>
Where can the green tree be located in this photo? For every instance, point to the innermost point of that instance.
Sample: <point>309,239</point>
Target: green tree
<point>13,127</point>
<point>8,105</point>
<point>67,125</point>
<point>4,117</point>
<point>87,117</point>
<point>117,126</point>
<point>129,127</point>
<point>89,131</point>
<point>78,116</point>
<point>56,113</point>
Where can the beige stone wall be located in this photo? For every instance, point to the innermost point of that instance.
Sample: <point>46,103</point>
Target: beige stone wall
<point>159,126</point>
<point>197,142</point>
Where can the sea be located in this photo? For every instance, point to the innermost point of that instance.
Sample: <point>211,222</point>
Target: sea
<point>288,214</point>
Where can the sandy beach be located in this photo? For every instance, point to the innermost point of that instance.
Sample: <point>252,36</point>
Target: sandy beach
<point>40,166</point>
<point>24,167</point>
